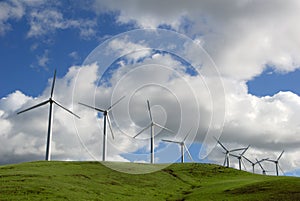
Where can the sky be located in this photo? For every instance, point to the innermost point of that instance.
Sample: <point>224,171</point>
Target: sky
<point>225,69</point>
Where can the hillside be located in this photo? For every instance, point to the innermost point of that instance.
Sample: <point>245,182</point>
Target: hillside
<point>93,181</point>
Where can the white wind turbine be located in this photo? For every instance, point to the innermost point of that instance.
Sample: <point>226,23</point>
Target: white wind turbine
<point>105,118</point>
<point>151,126</point>
<point>182,146</point>
<point>51,101</point>
<point>251,162</point>
<point>276,163</point>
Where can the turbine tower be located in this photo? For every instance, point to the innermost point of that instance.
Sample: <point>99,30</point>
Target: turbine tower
<point>50,121</point>
<point>182,146</point>
<point>227,152</point>
<point>239,157</point>
<point>151,126</point>
<point>106,118</point>
<point>276,163</point>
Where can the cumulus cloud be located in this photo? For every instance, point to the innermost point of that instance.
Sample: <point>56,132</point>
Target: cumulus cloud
<point>49,20</point>
<point>242,39</point>
<point>9,10</point>
<point>43,18</point>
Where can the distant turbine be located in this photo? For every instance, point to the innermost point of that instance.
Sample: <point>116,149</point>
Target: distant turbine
<point>227,152</point>
<point>106,117</point>
<point>264,172</point>
<point>239,157</point>
<point>51,101</point>
<point>151,126</point>
<point>276,163</point>
<point>182,146</point>
<point>252,163</point>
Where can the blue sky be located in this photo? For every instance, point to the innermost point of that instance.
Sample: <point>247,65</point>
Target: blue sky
<point>259,68</point>
<point>20,55</point>
<point>269,83</point>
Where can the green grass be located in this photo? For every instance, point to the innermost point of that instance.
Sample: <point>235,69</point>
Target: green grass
<point>93,181</point>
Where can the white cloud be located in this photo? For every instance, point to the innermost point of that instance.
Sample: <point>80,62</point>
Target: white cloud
<point>241,39</point>
<point>43,18</point>
<point>74,55</point>
<point>43,60</point>
<point>9,10</point>
<point>47,21</point>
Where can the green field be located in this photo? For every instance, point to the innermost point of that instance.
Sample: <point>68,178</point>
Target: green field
<point>93,181</point>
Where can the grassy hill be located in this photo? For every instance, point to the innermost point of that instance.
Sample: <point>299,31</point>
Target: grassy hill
<point>93,181</point>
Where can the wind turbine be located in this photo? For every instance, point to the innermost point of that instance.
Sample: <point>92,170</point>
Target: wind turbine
<point>151,126</point>
<point>262,168</point>
<point>227,152</point>
<point>276,163</point>
<point>252,163</point>
<point>106,118</point>
<point>239,157</point>
<point>51,101</point>
<point>182,146</point>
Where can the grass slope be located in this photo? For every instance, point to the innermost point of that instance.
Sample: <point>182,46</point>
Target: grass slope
<point>94,181</point>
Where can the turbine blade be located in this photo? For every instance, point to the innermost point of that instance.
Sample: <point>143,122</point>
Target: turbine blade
<point>244,164</point>
<point>187,135</point>
<point>53,83</point>
<point>245,150</point>
<point>66,109</point>
<point>142,130</point>
<point>100,110</point>
<point>248,159</point>
<point>280,155</point>
<point>189,154</point>
<point>149,110</point>
<point>115,103</point>
<point>259,164</point>
<point>236,156</point>
<point>110,127</point>
<point>156,124</point>
<point>171,141</point>
<point>38,105</point>
<point>281,170</point>
<point>239,149</point>
<point>221,144</point>
<point>270,160</point>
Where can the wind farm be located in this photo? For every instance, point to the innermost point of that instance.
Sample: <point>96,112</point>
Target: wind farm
<point>238,153</point>
<point>150,100</point>
<point>179,180</point>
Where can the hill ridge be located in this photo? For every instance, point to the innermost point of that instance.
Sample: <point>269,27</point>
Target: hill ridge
<point>60,180</point>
